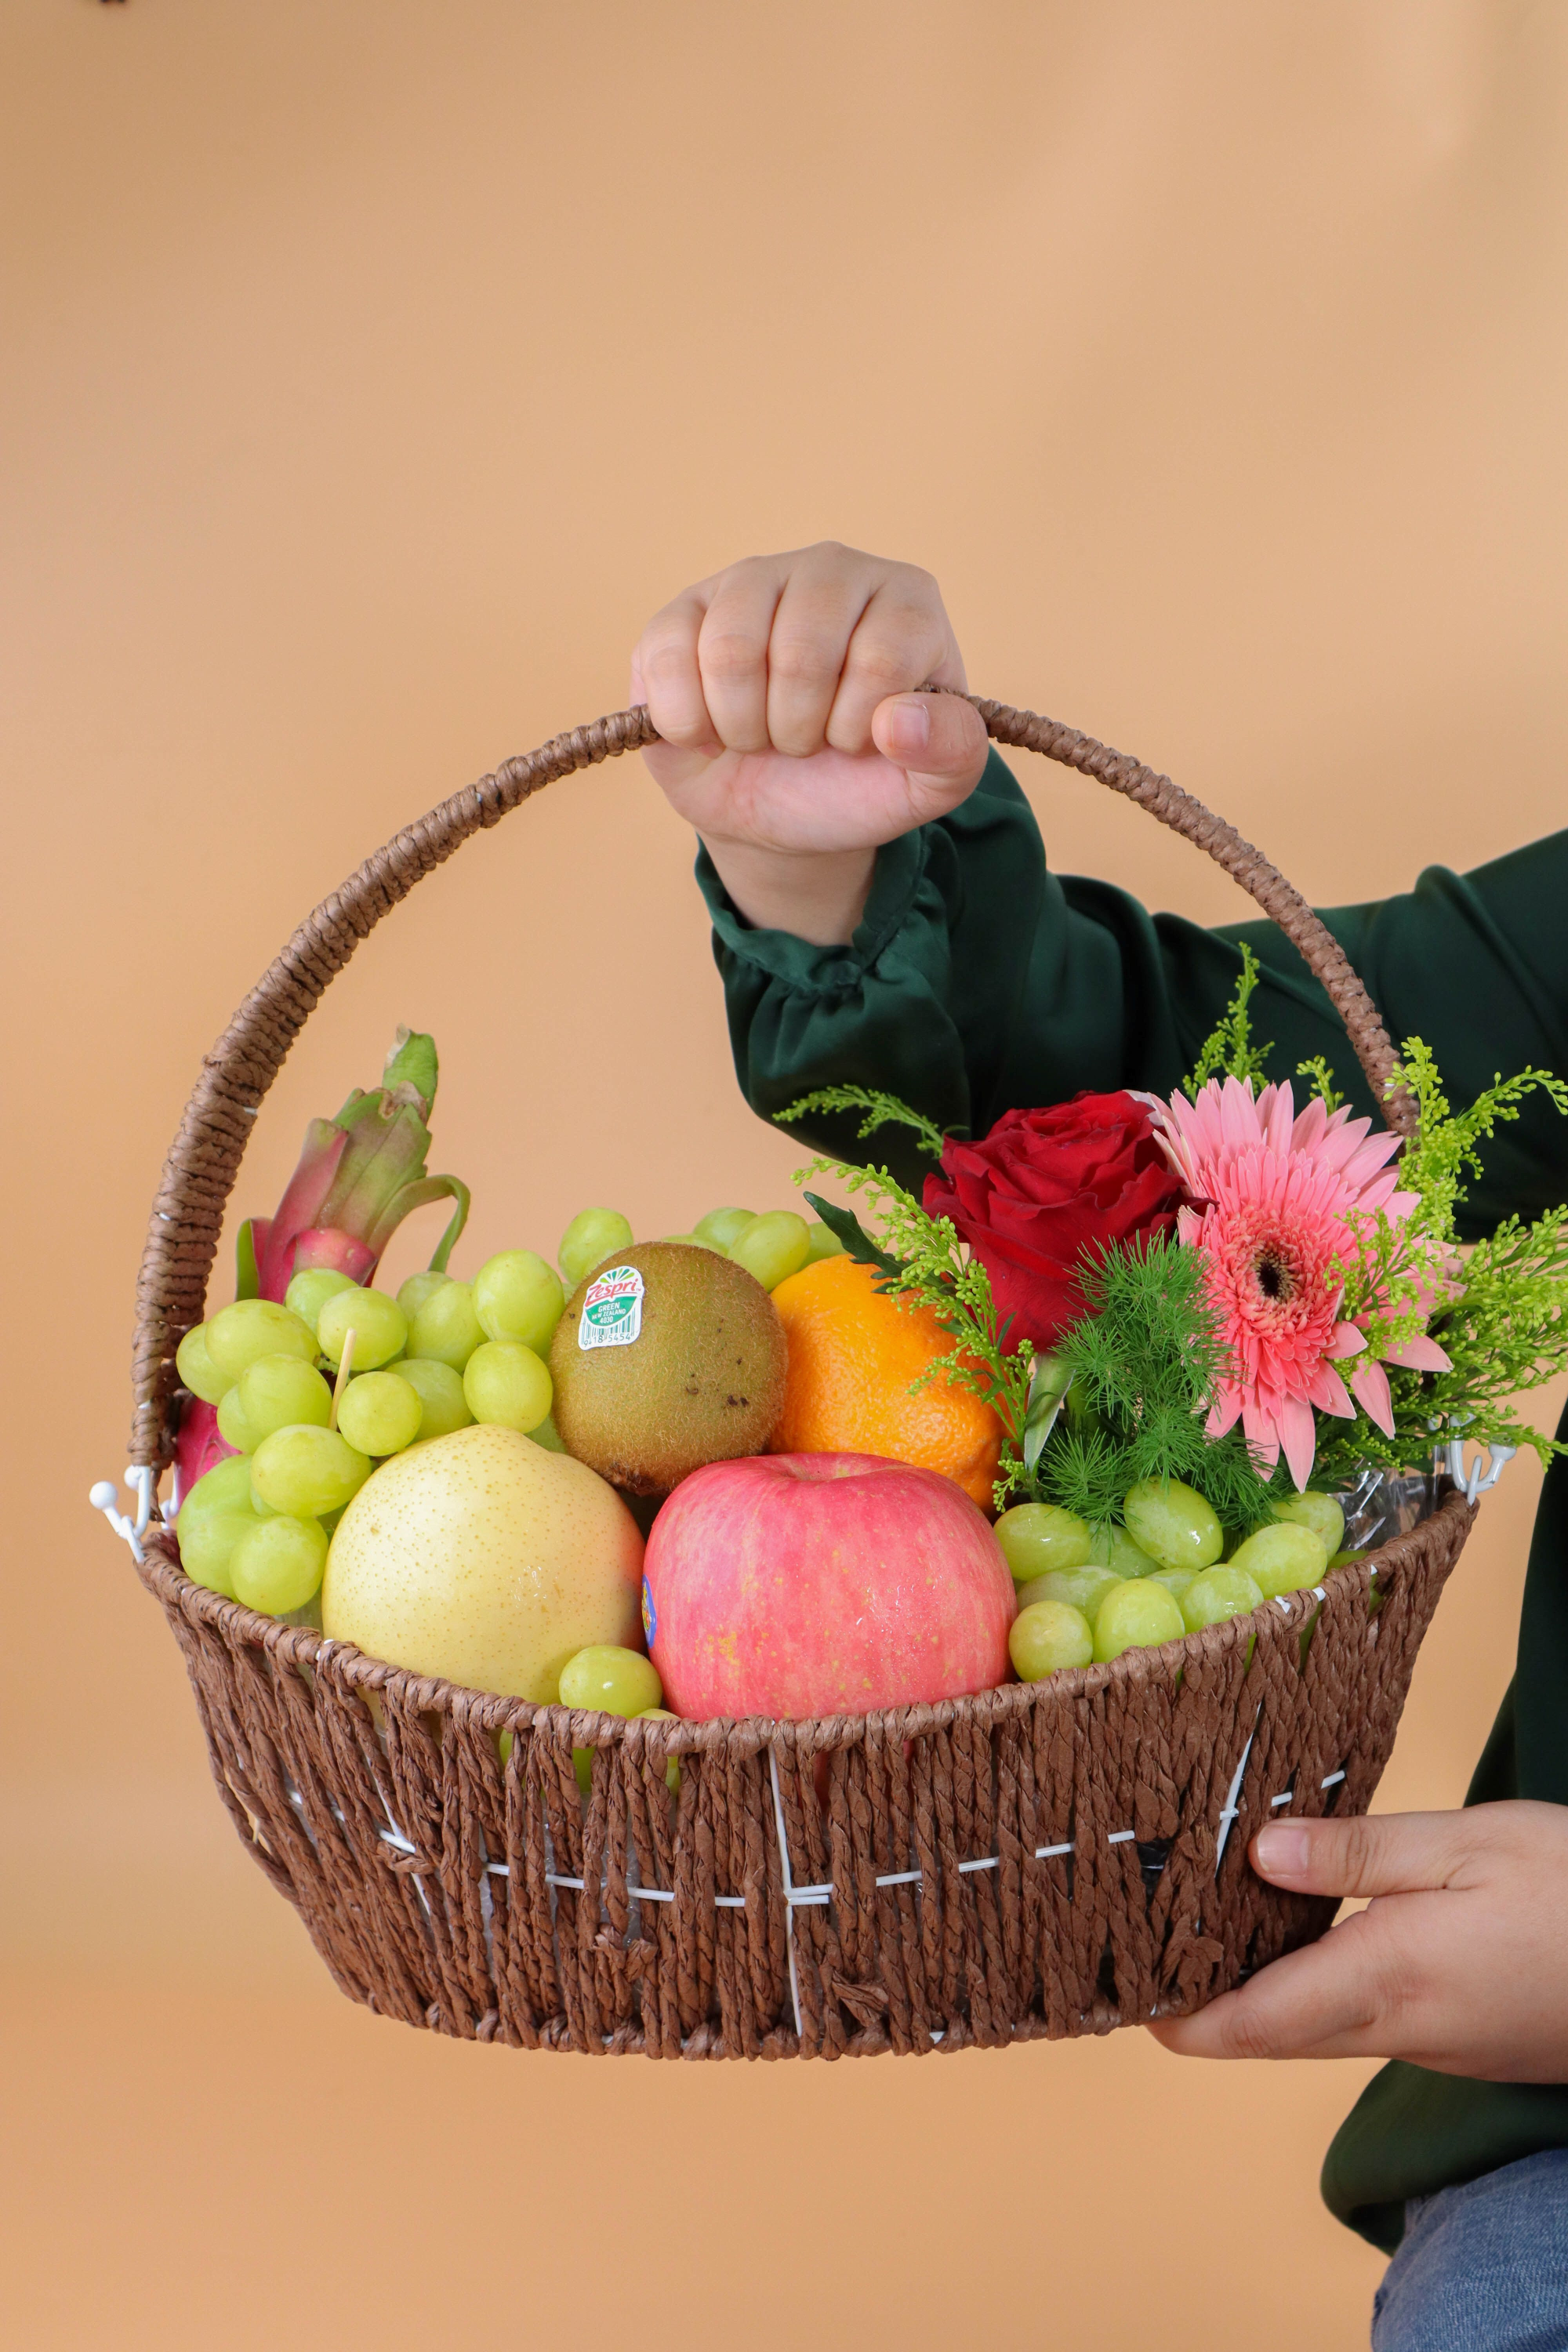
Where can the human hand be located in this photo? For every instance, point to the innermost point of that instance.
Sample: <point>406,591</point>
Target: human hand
<point>1457,1965</point>
<point>793,741</point>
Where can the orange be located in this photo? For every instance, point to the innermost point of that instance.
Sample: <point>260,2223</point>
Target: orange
<point>853,1353</point>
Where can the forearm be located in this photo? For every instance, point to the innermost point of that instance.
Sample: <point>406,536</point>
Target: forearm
<point>818,895</point>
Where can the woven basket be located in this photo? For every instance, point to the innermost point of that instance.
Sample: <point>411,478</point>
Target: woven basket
<point>1041,1860</point>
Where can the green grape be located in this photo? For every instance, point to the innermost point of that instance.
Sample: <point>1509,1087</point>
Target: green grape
<point>1139,1616</point>
<point>583,1765</point>
<point>548,1436</point>
<point>303,1472</point>
<point>379,1324</point>
<point>505,1382</point>
<point>1219,1593</point>
<point>1047,1636</point>
<point>233,1426</point>
<point>1283,1557</point>
<point>1347,1558</point>
<point>276,1564</point>
<point>613,1680</point>
<point>517,1296</point>
<point>257,1326</point>
<point>1173,1524</point>
<point>1038,1537</point>
<point>1321,1513</point>
<point>772,1247</point>
<point>1174,1579</point>
<point>1082,1589</point>
<point>224,1488</point>
<point>207,1542</point>
<point>277,1391</point>
<point>381,1413</point>
<point>671,1763</point>
<point>824,1241</point>
<point>695,1241</point>
<point>412,1294</point>
<point>196,1368</point>
<point>440,1393</point>
<point>446,1330</point>
<point>593,1236</point>
<point>309,1290</point>
<point>720,1226</point>
<point>1115,1550</point>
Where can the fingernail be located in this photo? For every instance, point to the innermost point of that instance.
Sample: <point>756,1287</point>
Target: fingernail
<point>909,725</point>
<point>1283,1851</point>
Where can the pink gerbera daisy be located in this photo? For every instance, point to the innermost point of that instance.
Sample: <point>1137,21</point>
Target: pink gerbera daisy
<point>1278,1205</point>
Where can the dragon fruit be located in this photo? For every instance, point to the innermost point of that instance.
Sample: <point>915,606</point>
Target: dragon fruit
<point>360,1174</point>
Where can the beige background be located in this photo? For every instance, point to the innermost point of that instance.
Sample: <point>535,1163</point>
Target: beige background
<point>370,372</point>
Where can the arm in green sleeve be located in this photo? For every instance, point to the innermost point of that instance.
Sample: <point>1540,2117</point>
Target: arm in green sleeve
<point>978,981</point>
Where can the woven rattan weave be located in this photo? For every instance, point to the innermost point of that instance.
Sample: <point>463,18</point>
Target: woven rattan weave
<point>1044,1859</point>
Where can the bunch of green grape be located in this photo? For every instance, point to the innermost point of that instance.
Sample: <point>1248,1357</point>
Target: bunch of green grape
<point>308,1427</point>
<point>771,1247</point>
<point>1087,1595</point>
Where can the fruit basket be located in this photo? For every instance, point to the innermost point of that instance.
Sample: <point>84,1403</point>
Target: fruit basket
<point>1043,1859</point>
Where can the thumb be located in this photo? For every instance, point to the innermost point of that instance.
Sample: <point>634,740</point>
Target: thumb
<point>939,741</point>
<point>1381,1854</point>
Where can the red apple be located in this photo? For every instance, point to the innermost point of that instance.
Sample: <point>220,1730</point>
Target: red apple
<point>800,1584</point>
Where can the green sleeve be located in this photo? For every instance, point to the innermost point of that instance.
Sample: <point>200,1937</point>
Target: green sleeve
<point>978,982</point>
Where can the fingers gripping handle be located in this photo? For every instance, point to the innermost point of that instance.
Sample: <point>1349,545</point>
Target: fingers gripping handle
<point>204,1160</point>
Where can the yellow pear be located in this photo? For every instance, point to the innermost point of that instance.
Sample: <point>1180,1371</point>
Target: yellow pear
<point>485,1558</point>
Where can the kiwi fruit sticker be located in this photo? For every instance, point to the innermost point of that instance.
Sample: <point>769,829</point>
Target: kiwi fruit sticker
<point>612,1310</point>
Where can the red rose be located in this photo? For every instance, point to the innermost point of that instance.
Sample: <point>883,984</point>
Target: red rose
<point>1045,1188</point>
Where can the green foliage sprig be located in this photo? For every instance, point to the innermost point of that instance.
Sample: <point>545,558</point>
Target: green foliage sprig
<point>880,1111</point>
<point>1322,1078</point>
<point>1447,1141</point>
<point>1143,1364</point>
<point>1229,1051</point>
<point>1500,1311</point>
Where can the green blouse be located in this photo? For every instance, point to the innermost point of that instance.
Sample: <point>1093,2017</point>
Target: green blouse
<point>978,982</point>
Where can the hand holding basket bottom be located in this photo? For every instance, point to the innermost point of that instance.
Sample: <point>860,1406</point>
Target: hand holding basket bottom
<point>1455,1965</point>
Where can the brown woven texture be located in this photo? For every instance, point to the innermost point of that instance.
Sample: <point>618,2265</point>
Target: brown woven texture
<point>1045,1859</point>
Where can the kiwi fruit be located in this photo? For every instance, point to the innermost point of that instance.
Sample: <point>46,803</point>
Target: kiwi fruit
<point>701,1380</point>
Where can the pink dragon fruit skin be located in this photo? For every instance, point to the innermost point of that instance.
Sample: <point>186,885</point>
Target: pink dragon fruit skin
<point>325,1144</point>
<point>200,1446</point>
<point>329,1247</point>
<point>359,1176</point>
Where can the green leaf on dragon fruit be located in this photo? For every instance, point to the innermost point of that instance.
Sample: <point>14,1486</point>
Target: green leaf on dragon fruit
<point>413,1063</point>
<point>856,1241</point>
<point>417,1195</point>
<point>387,1141</point>
<point>246,1273</point>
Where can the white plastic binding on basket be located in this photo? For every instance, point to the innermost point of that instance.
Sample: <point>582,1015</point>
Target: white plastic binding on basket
<point>1490,1463</point>
<point>105,1497</point>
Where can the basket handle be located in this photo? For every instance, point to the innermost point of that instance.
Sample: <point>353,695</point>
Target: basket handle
<point>203,1159</point>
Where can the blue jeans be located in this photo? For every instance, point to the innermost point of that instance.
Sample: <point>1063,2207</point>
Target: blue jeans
<point>1482,2268</point>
